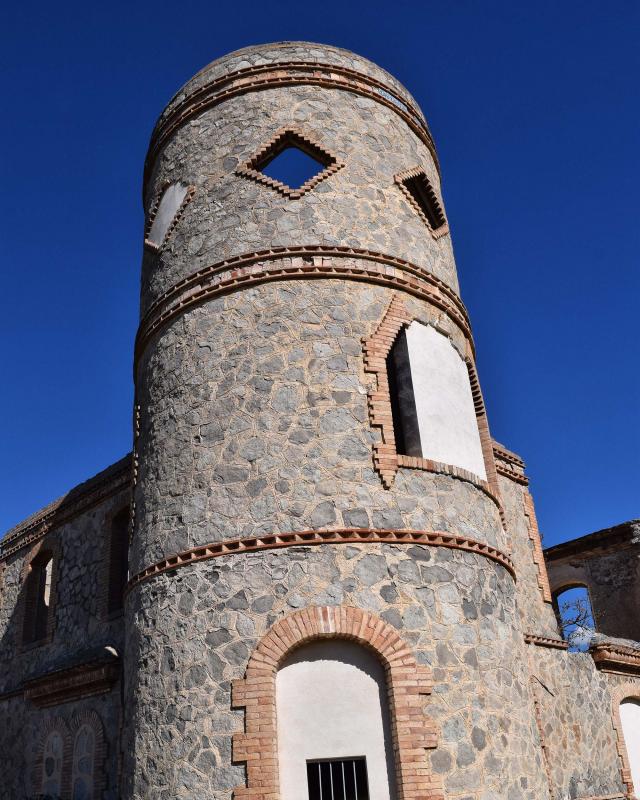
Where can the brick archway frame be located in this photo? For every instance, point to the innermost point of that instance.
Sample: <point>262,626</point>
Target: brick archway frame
<point>407,681</point>
<point>627,691</point>
<point>53,725</point>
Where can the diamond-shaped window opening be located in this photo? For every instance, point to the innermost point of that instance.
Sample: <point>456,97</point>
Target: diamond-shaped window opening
<point>417,189</point>
<point>291,163</point>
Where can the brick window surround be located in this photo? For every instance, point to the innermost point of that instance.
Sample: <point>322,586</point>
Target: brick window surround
<point>53,725</point>
<point>421,196</point>
<point>407,682</point>
<point>627,691</point>
<point>283,138</point>
<point>386,459</point>
<point>69,732</point>
<point>49,546</point>
<point>90,718</point>
<point>155,248</point>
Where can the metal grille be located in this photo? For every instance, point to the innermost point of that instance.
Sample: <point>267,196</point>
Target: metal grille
<point>338,779</point>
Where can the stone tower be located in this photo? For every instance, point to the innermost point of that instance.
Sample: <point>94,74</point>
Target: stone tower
<point>316,495</point>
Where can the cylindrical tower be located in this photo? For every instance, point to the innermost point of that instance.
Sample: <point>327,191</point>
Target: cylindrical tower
<point>313,460</point>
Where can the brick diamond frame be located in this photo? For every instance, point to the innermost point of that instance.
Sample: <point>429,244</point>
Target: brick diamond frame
<point>386,458</point>
<point>407,681</point>
<point>289,137</point>
<point>627,691</point>
<point>416,172</point>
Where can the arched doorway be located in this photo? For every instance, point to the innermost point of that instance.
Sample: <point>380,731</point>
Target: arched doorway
<point>630,719</point>
<point>334,737</point>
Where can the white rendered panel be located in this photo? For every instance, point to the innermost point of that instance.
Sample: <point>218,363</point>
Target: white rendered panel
<point>169,204</point>
<point>630,718</point>
<point>444,404</point>
<point>331,702</point>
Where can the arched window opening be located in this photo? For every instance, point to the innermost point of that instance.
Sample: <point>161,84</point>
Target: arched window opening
<point>118,560</point>
<point>333,724</point>
<point>575,617</point>
<point>432,405</point>
<point>38,598</point>
<point>52,758</point>
<point>83,764</point>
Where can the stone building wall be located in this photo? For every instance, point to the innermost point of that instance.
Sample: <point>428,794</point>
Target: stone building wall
<point>607,563</point>
<point>195,629</point>
<point>77,529</point>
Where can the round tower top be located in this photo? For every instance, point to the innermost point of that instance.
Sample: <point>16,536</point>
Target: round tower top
<point>251,64</point>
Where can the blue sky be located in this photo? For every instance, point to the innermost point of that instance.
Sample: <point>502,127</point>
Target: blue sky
<point>534,109</point>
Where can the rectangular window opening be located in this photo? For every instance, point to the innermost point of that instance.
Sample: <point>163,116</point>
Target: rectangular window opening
<point>338,779</point>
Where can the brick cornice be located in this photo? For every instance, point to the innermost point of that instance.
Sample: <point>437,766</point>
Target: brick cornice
<point>310,538</point>
<point>71,684</point>
<point>407,682</point>
<point>609,657</point>
<point>79,500</point>
<point>290,73</point>
<point>295,263</point>
<point>545,641</point>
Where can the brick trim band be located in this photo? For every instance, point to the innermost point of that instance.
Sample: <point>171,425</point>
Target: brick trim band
<point>407,683</point>
<point>304,262</point>
<point>626,691</point>
<point>272,76</point>
<point>511,474</point>
<point>545,641</point>
<point>426,464</point>
<point>306,538</point>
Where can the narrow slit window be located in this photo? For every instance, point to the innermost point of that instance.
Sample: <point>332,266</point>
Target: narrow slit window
<point>338,779</point>
<point>118,560</point>
<point>38,599</point>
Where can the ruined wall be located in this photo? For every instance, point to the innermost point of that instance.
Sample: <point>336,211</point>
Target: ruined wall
<point>607,563</point>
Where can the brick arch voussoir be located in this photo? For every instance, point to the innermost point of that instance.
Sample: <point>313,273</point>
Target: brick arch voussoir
<point>407,681</point>
<point>626,691</point>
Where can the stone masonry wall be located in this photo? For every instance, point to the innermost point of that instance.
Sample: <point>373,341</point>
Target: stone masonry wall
<point>81,632</point>
<point>254,420</point>
<point>194,630</point>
